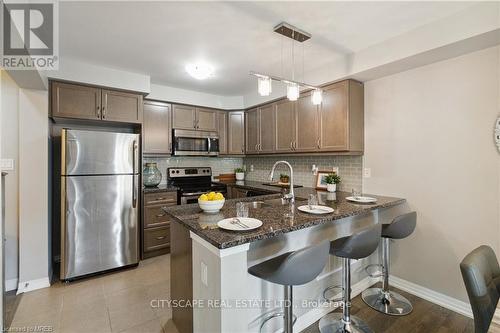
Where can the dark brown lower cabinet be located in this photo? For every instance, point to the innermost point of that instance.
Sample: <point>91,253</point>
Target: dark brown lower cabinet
<point>156,224</point>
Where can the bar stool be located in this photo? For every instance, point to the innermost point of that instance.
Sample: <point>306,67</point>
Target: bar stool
<point>357,246</point>
<point>383,299</point>
<point>292,269</point>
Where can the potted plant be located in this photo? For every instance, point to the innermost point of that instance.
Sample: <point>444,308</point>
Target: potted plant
<point>284,178</point>
<point>240,173</point>
<point>331,182</point>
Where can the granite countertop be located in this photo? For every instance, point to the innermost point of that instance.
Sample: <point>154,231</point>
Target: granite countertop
<point>274,222</point>
<point>251,185</point>
<point>159,188</point>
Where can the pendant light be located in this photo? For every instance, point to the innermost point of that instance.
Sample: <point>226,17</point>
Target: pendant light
<point>317,96</point>
<point>264,85</point>
<point>264,81</point>
<point>292,91</point>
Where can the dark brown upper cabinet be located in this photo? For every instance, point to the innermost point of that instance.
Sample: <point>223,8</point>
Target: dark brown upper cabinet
<point>236,133</point>
<point>341,120</point>
<point>222,130</point>
<point>259,124</point>
<point>337,125</point>
<point>157,128</point>
<point>76,101</point>
<point>194,118</point>
<point>121,106</point>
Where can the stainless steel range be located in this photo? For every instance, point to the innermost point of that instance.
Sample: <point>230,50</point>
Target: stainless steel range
<point>193,182</point>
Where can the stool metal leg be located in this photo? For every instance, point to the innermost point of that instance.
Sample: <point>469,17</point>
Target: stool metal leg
<point>288,309</point>
<point>344,322</point>
<point>382,299</point>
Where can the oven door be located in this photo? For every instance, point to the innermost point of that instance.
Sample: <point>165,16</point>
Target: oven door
<point>189,198</point>
<point>195,143</point>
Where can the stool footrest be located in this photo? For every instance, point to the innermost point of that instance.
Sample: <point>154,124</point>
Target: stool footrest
<point>374,274</point>
<point>332,300</point>
<point>275,315</point>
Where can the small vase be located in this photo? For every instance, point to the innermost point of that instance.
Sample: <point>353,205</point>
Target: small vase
<point>331,187</point>
<point>151,175</point>
<point>240,175</point>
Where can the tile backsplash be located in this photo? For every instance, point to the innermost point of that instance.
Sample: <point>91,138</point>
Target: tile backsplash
<point>350,169</point>
<point>218,164</point>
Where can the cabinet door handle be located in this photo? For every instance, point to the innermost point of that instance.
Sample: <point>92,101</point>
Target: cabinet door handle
<point>98,112</point>
<point>259,147</point>
<point>319,143</point>
<point>160,237</point>
<point>160,215</point>
<point>291,145</point>
<point>105,105</point>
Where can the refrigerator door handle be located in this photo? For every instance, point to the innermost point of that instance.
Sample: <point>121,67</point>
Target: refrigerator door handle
<point>134,157</point>
<point>134,191</point>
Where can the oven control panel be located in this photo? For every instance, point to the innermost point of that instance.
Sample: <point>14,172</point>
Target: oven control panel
<point>189,172</point>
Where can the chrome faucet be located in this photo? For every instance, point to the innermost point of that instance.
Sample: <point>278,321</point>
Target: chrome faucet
<point>290,197</point>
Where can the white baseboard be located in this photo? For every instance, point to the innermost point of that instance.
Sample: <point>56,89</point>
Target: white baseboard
<point>312,316</point>
<point>435,297</point>
<point>26,286</point>
<point>10,284</point>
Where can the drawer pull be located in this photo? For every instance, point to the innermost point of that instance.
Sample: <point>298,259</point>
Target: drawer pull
<point>160,237</point>
<point>160,215</point>
<point>161,201</point>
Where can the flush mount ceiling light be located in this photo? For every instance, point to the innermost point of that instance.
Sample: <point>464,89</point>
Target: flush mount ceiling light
<point>264,81</point>
<point>200,71</point>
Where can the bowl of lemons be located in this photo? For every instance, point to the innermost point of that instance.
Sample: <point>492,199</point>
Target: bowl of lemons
<point>211,202</point>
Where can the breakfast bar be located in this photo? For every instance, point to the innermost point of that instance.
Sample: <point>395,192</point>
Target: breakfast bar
<point>210,285</point>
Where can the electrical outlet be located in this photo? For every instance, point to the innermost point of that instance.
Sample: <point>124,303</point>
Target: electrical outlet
<point>367,172</point>
<point>314,169</point>
<point>7,164</point>
<point>336,170</point>
<point>251,167</point>
<point>204,274</point>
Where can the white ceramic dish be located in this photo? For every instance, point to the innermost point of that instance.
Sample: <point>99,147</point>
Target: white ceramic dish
<point>316,209</point>
<point>211,207</point>
<point>362,199</point>
<point>231,224</point>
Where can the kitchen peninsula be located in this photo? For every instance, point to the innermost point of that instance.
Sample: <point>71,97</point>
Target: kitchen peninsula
<point>209,265</point>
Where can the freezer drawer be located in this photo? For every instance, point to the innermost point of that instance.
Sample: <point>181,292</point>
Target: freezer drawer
<point>99,153</point>
<point>99,224</point>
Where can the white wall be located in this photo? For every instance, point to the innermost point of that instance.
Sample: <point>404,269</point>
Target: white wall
<point>171,94</point>
<point>429,138</point>
<point>33,190</point>
<point>9,150</point>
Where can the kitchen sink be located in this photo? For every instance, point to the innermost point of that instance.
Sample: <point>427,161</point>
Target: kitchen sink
<point>281,185</point>
<point>258,204</point>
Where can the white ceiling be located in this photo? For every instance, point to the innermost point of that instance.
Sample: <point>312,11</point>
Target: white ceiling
<point>159,38</point>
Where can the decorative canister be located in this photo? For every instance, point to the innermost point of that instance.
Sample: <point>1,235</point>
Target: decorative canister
<point>151,175</point>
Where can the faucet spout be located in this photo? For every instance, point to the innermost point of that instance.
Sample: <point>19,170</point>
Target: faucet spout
<point>291,195</point>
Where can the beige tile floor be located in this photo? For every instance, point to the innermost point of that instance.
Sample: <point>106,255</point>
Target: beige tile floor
<point>116,302</point>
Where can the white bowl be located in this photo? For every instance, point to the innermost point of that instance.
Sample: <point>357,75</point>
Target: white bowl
<point>211,206</point>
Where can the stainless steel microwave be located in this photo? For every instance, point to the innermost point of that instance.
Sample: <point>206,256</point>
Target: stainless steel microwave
<point>195,143</point>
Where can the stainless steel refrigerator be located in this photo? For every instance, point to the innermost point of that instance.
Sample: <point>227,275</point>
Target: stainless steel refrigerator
<point>99,201</point>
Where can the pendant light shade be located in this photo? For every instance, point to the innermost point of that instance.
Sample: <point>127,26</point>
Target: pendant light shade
<point>264,85</point>
<point>292,91</point>
<point>317,96</point>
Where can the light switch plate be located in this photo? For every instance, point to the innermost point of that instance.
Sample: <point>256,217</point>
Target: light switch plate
<point>367,172</point>
<point>7,164</point>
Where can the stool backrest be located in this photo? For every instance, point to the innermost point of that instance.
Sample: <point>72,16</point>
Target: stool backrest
<point>481,275</point>
<point>359,245</point>
<point>401,227</point>
<point>304,265</point>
